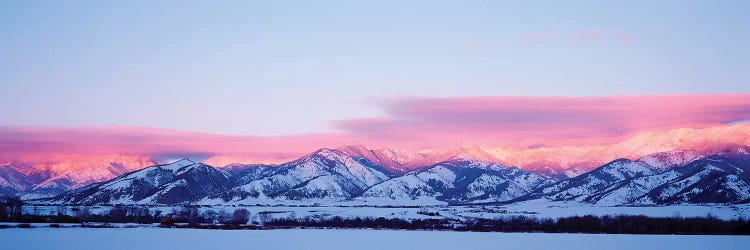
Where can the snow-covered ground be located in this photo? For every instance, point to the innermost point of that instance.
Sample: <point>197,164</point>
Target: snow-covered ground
<point>184,239</point>
<point>539,209</point>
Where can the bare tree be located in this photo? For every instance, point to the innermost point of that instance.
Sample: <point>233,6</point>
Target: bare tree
<point>240,216</point>
<point>84,214</point>
<point>211,216</point>
<point>61,211</point>
<point>118,214</point>
<point>265,217</point>
<point>142,215</point>
<point>3,212</point>
<point>194,217</point>
<point>223,217</point>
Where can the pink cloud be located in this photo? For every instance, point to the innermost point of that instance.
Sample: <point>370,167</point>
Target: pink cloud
<point>408,123</point>
<point>528,121</point>
<point>39,143</point>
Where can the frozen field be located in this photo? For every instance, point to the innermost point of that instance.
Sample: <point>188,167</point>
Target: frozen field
<point>546,210</point>
<point>156,238</point>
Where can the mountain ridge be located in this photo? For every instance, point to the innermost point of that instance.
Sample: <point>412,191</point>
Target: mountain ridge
<point>44,177</point>
<point>329,176</point>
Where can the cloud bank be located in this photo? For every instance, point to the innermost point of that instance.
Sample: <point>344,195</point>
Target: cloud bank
<point>410,123</point>
<point>535,121</point>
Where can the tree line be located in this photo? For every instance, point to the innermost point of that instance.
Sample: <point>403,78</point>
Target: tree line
<point>190,216</point>
<point>11,210</point>
<point>622,224</point>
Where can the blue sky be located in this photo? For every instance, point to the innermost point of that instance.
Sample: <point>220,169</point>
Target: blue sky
<point>292,67</point>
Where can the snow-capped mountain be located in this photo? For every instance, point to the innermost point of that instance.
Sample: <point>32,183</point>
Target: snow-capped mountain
<point>12,181</point>
<point>403,161</point>
<point>701,142</point>
<point>47,179</point>
<point>455,181</point>
<point>579,187</point>
<point>178,182</point>
<point>716,179</point>
<point>241,174</point>
<point>331,176</point>
<point>680,157</point>
<point>720,178</point>
<point>328,175</point>
<point>679,145</point>
<point>559,173</point>
<point>396,161</point>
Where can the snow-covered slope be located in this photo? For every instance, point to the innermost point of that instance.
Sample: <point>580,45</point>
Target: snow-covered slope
<point>48,179</point>
<point>332,176</point>
<point>325,175</point>
<point>662,149</point>
<point>579,187</point>
<point>12,181</point>
<point>709,180</point>
<point>178,182</point>
<point>403,161</point>
<point>455,181</point>
<point>681,157</point>
<point>666,149</point>
<point>717,179</point>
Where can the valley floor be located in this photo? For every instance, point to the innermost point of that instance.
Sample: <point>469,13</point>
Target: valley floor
<point>529,209</point>
<point>331,239</point>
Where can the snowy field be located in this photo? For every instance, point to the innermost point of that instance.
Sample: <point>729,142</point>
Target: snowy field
<point>183,239</point>
<point>543,210</point>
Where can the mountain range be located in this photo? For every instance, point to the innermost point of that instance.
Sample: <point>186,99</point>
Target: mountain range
<point>45,176</point>
<point>44,179</point>
<point>680,165</point>
<point>330,176</point>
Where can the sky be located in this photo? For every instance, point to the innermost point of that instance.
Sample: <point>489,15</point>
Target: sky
<point>345,72</point>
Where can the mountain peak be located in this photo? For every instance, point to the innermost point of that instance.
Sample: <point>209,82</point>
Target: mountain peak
<point>622,168</point>
<point>183,161</point>
<point>356,148</point>
<point>176,165</point>
<point>326,151</point>
<point>619,160</point>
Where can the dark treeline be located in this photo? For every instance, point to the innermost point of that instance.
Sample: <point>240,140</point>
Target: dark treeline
<point>577,224</point>
<point>190,216</point>
<point>622,224</point>
<point>368,222</point>
<point>11,210</point>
